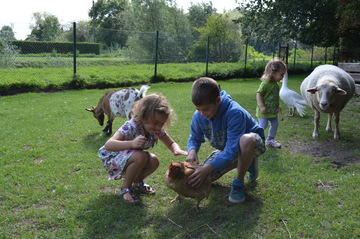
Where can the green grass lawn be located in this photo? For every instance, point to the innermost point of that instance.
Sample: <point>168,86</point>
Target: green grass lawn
<point>53,184</point>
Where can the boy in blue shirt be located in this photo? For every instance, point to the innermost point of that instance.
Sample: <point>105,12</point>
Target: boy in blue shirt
<point>230,129</point>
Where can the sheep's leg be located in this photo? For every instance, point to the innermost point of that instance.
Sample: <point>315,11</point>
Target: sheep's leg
<point>337,120</point>
<point>316,123</point>
<point>328,125</point>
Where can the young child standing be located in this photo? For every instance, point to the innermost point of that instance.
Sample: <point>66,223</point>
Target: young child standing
<point>231,130</point>
<point>124,155</point>
<point>267,98</point>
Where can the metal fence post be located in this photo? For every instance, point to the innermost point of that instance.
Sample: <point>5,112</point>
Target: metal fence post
<point>207,56</point>
<point>312,56</point>
<point>295,54</point>
<point>246,48</point>
<point>93,21</point>
<point>326,54</point>
<point>274,49</point>
<point>74,48</point>
<point>156,54</point>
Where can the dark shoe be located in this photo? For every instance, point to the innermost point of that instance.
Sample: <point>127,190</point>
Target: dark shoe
<point>135,200</point>
<point>144,188</point>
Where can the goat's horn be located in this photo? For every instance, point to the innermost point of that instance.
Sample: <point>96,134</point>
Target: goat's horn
<point>91,110</point>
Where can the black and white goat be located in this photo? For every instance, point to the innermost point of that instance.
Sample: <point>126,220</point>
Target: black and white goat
<point>117,104</point>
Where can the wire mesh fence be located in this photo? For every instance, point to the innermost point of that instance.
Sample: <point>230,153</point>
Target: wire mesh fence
<point>127,56</point>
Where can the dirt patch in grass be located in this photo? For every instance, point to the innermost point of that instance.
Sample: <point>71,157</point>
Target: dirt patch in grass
<point>340,155</point>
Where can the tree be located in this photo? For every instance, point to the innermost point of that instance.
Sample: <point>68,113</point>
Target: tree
<point>225,35</point>
<point>311,22</point>
<point>83,32</point>
<point>110,16</point>
<point>349,26</point>
<point>319,22</point>
<point>149,16</point>
<point>7,33</point>
<point>46,27</point>
<point>198,15</point>
<point>8,53</point>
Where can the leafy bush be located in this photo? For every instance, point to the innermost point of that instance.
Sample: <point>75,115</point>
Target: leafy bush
<point>8,54</point>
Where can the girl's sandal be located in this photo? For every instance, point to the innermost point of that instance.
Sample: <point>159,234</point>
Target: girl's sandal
<point>135,200</point>
<point>144,188</point>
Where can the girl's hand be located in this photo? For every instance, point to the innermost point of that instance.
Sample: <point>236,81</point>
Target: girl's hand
<point>180,152</point>
<point>139,142</point>
<point>263,110</point>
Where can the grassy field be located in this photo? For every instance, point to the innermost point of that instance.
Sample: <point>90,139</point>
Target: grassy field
<point>53,184</point>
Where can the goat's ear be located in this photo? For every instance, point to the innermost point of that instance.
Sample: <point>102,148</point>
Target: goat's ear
<point>312,90</point>
<point>340,91</point>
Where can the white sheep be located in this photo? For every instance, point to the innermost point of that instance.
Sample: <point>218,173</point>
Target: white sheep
<point>327,89</point>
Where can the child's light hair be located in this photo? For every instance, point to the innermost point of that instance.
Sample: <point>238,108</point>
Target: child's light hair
<point>147,107</point>
<point>273,65</point>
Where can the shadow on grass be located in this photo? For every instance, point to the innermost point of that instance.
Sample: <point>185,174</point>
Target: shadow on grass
<point>216,217</point>
<point>108,217</point>
<point>95,141</point>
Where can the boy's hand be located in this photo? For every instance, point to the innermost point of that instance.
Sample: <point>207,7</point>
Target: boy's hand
<point>192,157</point>
<point>201,172</point>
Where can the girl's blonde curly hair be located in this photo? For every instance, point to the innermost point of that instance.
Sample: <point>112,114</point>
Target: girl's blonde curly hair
<point>146,108</point>
<point>273,65</point>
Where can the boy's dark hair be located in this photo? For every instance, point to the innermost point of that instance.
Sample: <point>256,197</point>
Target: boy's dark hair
<point>205,91</point>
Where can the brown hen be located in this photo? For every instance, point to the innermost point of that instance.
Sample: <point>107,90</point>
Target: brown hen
<point>176,179</point>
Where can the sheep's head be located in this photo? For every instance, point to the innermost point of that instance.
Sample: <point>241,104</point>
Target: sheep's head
<point>326,93</point>
<point>99,115</point>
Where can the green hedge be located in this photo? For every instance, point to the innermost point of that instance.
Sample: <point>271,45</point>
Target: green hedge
<point>36,47</point>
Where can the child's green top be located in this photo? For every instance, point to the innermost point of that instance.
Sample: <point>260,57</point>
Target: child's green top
<point>270,95</point>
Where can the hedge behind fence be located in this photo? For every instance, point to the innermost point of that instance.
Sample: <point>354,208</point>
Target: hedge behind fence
<point>35,47</point>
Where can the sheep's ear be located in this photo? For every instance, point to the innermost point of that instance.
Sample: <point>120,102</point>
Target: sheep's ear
<point>340,91</point>
<point>312,90</point>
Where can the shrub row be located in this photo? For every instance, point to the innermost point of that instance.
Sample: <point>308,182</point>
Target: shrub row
<point>37,47</point>
<point>90,81</point>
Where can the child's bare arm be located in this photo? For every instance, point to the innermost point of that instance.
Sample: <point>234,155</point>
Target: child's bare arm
<point>260,103</point>
<point>172,146</point>
<point>117,143</point>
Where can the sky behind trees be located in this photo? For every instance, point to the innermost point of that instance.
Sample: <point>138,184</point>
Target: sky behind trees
<point>18,13</point>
